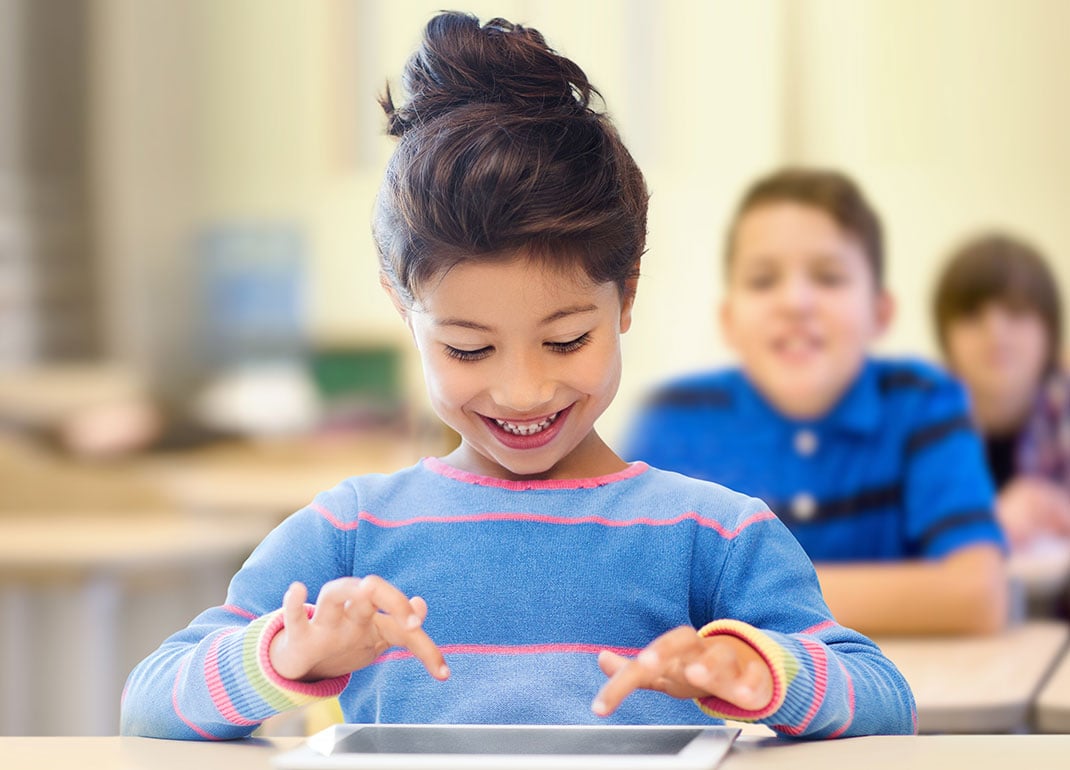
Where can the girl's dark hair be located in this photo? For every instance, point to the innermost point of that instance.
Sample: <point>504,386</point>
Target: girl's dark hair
<point>996,267</point>
<point>831,192</point>
<point>500,151</point>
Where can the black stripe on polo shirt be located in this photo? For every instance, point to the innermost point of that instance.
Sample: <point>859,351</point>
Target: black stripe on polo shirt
<point>905,379</point>
<point>954,521</point>
<point>864,501</point>
<point>938,431</point>
<point>691,397</point>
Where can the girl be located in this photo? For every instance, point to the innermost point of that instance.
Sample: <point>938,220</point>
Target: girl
<point>999,322</point>
<point>557,583</point>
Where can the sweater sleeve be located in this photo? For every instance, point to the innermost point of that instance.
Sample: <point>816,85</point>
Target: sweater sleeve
<point>213,679</point>
<point>828,681</point>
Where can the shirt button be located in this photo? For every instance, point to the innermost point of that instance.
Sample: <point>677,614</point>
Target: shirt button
<point>805,442</point>
<point>803,506</point>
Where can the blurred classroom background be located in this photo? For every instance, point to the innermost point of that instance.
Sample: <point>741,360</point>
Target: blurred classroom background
<point>193,340</point>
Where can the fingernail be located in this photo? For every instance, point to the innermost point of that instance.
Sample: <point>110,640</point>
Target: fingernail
<point>413,621</point>
<point>599,707</point>
<point>444,672</point>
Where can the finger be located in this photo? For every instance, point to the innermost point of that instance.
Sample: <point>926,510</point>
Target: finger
<point>332,599</point>
<point>415,641</point>
<point>389,599</point>
<point>419,606</point>
<point>610,662</point>
<point>294,614</point>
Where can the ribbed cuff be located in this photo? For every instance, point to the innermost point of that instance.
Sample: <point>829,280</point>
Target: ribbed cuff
<point>281,693</point>
<point>770,652</point>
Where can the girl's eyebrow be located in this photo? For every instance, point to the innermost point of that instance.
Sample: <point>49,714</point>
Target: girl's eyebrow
<point>555,316</point>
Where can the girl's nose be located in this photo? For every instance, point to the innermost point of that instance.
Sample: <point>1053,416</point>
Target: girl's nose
<point>523,385</point>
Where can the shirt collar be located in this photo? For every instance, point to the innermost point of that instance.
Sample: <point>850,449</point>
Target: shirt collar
<point>857,411</point>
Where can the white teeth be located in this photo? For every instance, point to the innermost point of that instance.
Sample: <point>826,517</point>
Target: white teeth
<point>527,430</point>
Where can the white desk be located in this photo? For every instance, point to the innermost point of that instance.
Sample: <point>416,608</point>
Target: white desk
<point>983,684</point>
<point>984,752</point>
<point>1053,704</point>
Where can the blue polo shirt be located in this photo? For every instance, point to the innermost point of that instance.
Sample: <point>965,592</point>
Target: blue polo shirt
<point>893,471</point>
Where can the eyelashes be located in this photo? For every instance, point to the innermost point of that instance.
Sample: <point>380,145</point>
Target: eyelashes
<point>571,346</point>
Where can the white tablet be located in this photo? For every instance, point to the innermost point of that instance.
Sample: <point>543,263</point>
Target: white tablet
<point>471,747</point>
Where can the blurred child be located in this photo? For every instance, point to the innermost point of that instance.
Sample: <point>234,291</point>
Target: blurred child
<point>999,321</point>
<point>530,576</point>
<point>871,463</point>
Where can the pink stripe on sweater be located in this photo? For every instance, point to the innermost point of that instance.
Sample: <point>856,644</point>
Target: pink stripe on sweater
<point>819,627</point>
<point>542,518</point>
<point>216,689</point>
<point>521,649</point>
<point>437,466</point>
<point>236,610</point>
<point>178,712</point>
<point>820,659</point>
<point>851,705</point>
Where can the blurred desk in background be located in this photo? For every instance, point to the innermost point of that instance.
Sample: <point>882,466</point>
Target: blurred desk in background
<point>978,684</point>
<point>100,561</point>
<point>1053,703</point>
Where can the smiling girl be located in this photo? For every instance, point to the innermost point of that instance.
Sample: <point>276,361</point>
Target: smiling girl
<point>530,576</point>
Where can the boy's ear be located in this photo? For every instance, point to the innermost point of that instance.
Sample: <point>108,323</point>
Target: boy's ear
<point>724,316</point>
<point>884,311</point>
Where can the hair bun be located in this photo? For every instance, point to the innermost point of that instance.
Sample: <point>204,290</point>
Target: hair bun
<point>460,63</point>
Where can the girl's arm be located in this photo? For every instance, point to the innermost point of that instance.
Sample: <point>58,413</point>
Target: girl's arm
<point>962,593</point>
<point>214,679</point>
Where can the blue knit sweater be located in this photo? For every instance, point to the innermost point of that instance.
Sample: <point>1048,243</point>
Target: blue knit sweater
<point>525,583</point>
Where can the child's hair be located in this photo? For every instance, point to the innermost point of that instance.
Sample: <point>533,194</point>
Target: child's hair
<point>831,192</point>
<point>500,152</point>
<point>996,267</point>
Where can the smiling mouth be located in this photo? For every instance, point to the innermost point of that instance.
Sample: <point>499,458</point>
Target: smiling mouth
<point>527,429</point>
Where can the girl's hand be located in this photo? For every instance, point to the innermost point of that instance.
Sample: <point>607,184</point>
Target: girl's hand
<point>355,620</point>
<point>683,664</point>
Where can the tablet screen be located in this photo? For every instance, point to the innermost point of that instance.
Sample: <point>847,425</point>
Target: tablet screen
<point>380,739</point>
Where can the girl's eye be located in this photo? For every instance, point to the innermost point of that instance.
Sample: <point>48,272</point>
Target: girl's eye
<point>572,345</point>
<point>468,355</point>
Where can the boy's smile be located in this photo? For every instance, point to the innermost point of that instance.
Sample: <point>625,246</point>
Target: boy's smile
<point>521,359</point>
<point>801,307</point>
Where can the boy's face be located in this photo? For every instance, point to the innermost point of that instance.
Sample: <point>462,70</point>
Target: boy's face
<point>999,351</point>
<point>801,307</point>
<point>521,360</point>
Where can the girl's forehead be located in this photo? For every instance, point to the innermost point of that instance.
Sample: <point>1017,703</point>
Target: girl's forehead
<point>511,287</point>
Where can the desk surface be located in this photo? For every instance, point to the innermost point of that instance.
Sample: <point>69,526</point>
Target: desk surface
<point>978,752</point>
<point>983,684</point>
<point>1053,703</point>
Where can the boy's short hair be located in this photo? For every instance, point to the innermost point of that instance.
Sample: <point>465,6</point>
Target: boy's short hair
<point>996,267</point>
<point>829,191</point>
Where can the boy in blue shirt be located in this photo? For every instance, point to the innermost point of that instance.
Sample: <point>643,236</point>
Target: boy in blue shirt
<point>873,464</point>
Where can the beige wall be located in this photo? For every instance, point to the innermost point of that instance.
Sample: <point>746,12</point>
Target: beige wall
<point>951,113</point>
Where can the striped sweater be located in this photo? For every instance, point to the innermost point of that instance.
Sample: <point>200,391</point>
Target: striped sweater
<point>525,583</point>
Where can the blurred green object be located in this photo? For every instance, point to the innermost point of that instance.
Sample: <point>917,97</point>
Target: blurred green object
<point>359,384</point>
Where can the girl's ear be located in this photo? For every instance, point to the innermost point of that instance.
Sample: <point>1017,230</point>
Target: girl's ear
<point>399,306</point>
<point>627,302</point>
